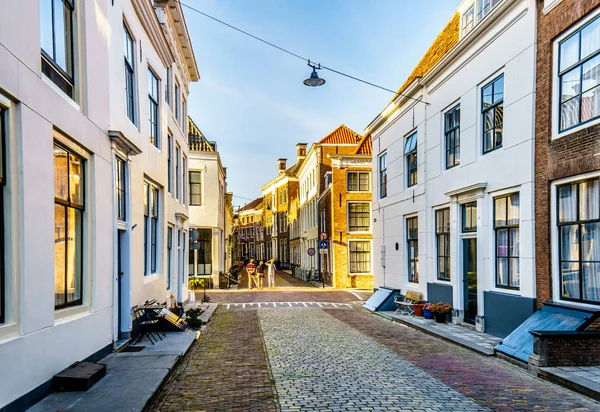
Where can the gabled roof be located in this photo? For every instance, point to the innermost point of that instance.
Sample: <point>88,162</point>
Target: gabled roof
<point>196,139</point>
<point>292,170</point>
<point>443,43</point>
<point>255,204</point>
<point>365,146</point>
<point>341,135</point>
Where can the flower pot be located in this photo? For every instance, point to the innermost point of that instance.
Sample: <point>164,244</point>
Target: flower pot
<point>440,317</point>
<point>418,308</point>
<point>427,314</point>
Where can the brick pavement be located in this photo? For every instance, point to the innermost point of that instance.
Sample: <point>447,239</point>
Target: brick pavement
<point>489,381</point>
<point>282,279</point>
<point>227,370</point>
<point>279,295</point>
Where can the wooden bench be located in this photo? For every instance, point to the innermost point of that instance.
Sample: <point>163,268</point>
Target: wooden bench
<point>405,303</point>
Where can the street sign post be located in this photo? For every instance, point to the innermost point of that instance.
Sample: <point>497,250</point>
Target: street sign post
<point>311,251</point>
<point>323,236</point>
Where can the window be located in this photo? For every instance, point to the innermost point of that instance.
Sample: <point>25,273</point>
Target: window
<point>442,234</point>
<point>383,175</point>
<point>506,226</point>
<point>169,164</point>
<point>56,21</point>
<point>153,112</point>
<point>357,181</point>
<point>578,232</point>
<point>169,257</point>
<point>579,76</point>
<point>183,114</point>
<point>185,183</point>
<point>410,154</point>
<point>168,87</point>
<point>196,189</point>
<point>129,76</point>
<point>2,185</point>
<point>484,7</point>
<point>150,227</point>
<point>412,240</point>
<point>177,97</point>
<point>469,217</point>
<point>203,253</point>
<point>360,256</point>
<point>468,20</point>
<point>69,206</point>
<point>177,174</point>
<point>328,179</point>
<point>452,134</point>
<point>492,111</point>
<point>120,187</point>
<point>359,217</point>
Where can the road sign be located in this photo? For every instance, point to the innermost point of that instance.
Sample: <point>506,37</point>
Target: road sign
<point>323,244</point>
<point>311,251</point>
<point>323,236</point>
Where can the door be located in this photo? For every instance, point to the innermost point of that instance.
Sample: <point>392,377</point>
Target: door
<point>179,265</point>
<point>120,236</point>
<point>470,279</point>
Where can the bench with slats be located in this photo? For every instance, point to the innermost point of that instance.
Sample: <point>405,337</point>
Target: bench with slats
<point>405,303</point>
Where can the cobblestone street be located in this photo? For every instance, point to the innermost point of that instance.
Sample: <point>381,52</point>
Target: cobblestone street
<point>344,358</point>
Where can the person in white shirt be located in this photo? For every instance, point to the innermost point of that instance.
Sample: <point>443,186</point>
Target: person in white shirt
<point>271,273</point>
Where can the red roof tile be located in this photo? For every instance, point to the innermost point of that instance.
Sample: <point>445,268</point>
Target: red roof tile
<point>341,135</point>
<point>365,146</point>
<point>443,43</point>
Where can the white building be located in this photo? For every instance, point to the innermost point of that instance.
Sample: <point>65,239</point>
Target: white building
<point>207,197</point>
<point>309,186</point>
<point>453,205</point>
<point>151,59</point>
<point>92,99</point>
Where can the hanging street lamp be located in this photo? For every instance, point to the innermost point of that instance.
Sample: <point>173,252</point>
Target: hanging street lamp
<point>314,80</point>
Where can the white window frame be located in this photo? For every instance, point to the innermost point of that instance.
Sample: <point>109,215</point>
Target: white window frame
<point>371,257</point>
<point>348,217</point>
<point>358,172</point>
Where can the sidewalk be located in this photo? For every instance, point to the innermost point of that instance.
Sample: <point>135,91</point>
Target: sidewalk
<point>583,379</point>
<point>462,335</point>
<point>132,378</point>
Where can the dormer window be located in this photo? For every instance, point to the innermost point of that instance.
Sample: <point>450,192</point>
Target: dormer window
<point>479,9</point>
<point>468,20</point>
<point>484,7</point>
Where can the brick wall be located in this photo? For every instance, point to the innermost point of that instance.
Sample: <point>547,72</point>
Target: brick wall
<point>554,159</point>
<point>560,348</point>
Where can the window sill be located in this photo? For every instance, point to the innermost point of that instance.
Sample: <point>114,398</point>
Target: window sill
<point>68,314</point>
<point>8,332</point>
<point>575,129</point>
<point>508,290</point>
<point>151,278</point>
<point>495,149</point>
<point>62,94</point>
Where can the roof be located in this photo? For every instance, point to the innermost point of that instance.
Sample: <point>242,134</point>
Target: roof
<point>196,139</point>
<point>292,170</point>
<point>341,135</point>
<point>443,43</point>
<point>252,205</point>
<point>365,146</point>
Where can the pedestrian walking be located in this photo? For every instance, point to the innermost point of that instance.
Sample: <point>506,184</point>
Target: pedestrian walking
<point>260,274</point>
<point>251,270</point>
<point>271,272</point>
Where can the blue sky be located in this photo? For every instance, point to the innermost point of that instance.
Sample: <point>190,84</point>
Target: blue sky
<point>250,98</point>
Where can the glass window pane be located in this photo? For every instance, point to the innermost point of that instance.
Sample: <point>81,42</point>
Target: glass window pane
<point>60,254</point>
<point>590,104</point>
<point>569,52</point>
<point>567,203</point>
<point>502,242</point>
<point>591,281</point>
<point>569,113</point>
<point>74,254</point>
<point>569,243</point>
<point>590,235</point>
<point>352,182</point>
<point>591,73</point>
<point>488,119</point>
<point>589,200</point>
<point>76,179</point>
<point>487,97</point>
<point>570,280</point>
<point>60,36</point>
<point>514,272</point>
<point>513,209</point>
<point>363,183</point>
<point>488,140</point>
<point>61,174</point>
<point>502,271</point>
<point>570,84</point>
<point>499,89</point>
<point>514,242</point>
<point>500,211</point>
<point>46,26</point>
<point>590,39</point>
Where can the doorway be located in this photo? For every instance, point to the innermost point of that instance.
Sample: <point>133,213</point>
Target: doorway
<point>470,279</point>
<point>120,273</point>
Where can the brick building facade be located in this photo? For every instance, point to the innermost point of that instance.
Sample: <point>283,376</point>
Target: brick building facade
<point>567,165</point>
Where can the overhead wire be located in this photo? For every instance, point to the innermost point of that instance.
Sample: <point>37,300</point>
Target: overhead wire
<point>308,61</point>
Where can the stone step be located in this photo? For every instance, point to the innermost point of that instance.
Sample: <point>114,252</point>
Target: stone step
<point>80,376</point>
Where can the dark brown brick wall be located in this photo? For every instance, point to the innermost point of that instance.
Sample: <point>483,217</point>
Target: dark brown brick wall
<point>574,352</point>
<point>554,159</point>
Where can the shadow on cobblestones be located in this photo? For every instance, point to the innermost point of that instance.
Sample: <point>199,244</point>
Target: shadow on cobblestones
<point>489,381</point>
<point>227,370</point>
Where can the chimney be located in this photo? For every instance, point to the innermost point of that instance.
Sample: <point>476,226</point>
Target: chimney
<point>281,165</point>
<point>301,150</point>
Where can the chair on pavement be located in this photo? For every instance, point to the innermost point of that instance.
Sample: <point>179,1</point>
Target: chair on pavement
<point>405,303</point>
<point>147,324</point>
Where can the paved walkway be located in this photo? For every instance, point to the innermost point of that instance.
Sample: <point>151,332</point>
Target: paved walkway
<point>309,358</point>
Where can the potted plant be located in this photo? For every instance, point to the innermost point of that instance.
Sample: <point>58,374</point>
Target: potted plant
<point>441,311</point>
<point>418,307</point>
<point>429,310</point>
